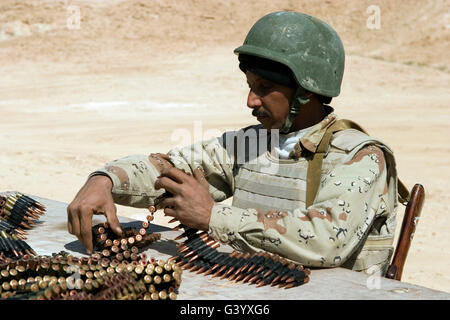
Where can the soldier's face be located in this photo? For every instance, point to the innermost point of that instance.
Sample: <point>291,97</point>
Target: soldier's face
<point>270,101</point>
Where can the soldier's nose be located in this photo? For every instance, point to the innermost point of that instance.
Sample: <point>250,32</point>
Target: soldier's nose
<point>253,100</point>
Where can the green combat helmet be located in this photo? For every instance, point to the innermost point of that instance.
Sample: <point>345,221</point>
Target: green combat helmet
<point>309,47</point>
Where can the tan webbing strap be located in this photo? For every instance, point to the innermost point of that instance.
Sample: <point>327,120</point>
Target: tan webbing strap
<point>315,164</point>
<point>403,193</point>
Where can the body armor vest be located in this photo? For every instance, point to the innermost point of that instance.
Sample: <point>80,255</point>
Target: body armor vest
<point>268,183</point>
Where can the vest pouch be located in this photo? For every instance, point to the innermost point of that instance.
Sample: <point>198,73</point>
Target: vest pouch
<point>375,255</point>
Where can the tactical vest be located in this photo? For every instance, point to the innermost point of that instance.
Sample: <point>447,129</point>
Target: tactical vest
<point>270,183</point>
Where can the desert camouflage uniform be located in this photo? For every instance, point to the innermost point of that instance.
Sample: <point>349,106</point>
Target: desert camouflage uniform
<point>356,196</point>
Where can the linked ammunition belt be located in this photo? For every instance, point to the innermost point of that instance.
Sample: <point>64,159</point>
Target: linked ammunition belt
<point>116,271</point>
<point>18,213</point>
<point>199,254</point>
<point>109,245</point>
<point>62,276</point>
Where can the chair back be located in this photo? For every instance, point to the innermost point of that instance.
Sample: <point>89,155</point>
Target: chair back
<point>410,219</point>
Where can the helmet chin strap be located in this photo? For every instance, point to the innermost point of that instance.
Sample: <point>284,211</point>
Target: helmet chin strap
<point>299,99</point>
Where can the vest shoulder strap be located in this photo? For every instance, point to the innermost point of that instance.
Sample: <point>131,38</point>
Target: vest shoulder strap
<point>315,164</point>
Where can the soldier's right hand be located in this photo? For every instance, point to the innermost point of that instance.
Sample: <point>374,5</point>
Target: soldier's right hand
<point>93,198</point>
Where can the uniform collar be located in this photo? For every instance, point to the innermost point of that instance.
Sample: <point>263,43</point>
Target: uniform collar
<point>310,141</point>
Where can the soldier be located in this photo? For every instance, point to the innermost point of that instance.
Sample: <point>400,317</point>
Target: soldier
<point>323,193</point>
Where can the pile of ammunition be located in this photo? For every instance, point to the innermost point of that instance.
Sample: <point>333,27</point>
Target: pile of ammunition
<point>18,213</point>
<point>62,276</point>
<point>109,245</point>
<point>116,271</point>
<point>198,253</point>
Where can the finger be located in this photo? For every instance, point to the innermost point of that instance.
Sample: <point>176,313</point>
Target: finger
<point>175,174</point>
<point>113,221</point>
<point>74,221</point>
<point>69,220</point>
<point>170,212</point>
<point>167,202</point>
<point>199,175</point>
<point>168,184</point>
<point>85,235</point>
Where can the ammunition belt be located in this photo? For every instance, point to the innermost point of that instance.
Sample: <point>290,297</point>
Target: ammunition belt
<point>109,245</point>
<point>62,276</point>
<point>18,213</point>
<point>199,254</point>
<point>116,271</point>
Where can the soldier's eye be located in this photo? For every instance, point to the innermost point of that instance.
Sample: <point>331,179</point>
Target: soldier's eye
<point>265,88</point>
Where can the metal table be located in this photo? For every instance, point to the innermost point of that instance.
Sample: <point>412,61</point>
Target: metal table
<point>51,236</point>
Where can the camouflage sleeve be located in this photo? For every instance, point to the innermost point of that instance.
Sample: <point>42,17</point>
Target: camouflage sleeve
<point>134,176</point>
<point>133,179</point>
<point>350,196</point>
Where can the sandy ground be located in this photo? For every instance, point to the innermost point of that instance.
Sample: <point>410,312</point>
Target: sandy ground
<point>136,74</point>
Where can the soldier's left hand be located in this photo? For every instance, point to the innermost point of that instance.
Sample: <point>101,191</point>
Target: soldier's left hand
<point>191,203</point>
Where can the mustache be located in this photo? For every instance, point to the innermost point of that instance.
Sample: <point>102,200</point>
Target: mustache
<point>259,113</point>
